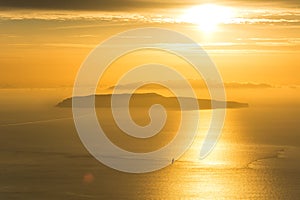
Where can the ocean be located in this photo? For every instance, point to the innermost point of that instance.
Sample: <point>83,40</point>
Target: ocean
<point>42,157</point>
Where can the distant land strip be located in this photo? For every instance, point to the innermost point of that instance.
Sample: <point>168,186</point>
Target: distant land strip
<point>147,99</point>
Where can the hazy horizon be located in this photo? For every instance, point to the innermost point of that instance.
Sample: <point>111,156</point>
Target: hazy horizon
<point>247,51</point>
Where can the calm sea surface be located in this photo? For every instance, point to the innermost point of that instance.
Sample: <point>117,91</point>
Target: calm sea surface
<point>41,157</point>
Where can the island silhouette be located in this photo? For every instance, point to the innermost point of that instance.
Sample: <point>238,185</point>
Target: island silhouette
<point>147,99</point>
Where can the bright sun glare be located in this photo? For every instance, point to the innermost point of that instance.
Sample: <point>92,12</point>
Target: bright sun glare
<point>208,16</point>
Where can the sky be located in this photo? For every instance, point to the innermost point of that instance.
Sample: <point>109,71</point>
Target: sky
<point>43,43</point>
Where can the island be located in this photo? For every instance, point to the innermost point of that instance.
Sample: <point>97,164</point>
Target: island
<point>142,100</point>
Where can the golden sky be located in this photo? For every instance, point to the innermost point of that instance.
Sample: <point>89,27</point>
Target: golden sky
<point>43,43</point>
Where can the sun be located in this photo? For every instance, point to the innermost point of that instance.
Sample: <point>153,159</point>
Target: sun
<point>208,16</point>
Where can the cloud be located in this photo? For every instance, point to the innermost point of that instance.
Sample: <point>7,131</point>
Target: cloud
<point>103,5</point>
<point>119,5</point>
<point>243,16</point>
<point>94,19</point>
<point>289,3</point>
<point>147,11</point>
